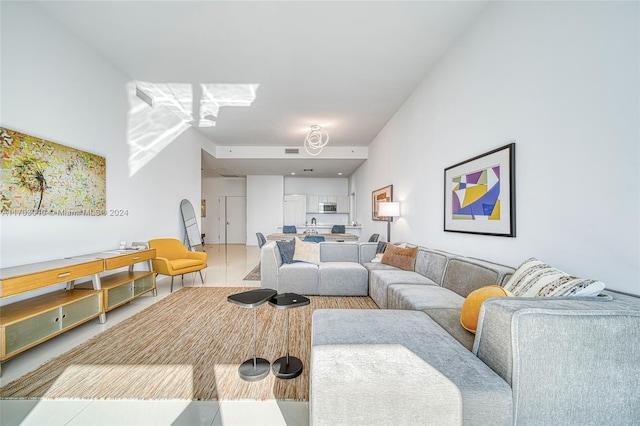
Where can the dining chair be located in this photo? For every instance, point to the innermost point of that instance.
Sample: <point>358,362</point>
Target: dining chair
<point>261,239</point>
<point>374,238</point>
<point>314,238</point>
<point>289,229</point>
<point>337,229</point>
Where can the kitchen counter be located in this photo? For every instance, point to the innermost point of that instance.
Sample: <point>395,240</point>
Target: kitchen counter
<point>322,229</point>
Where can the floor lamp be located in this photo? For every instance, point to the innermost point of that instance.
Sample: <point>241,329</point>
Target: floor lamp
<point>389,210</point>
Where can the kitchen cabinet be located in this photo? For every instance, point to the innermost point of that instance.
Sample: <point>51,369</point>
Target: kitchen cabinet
<point>295,208</point>
<point>313,203</point>
<point>343,204</point>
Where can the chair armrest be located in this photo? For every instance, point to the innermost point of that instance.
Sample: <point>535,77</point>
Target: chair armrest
<point>161,265</point>
<point>196,255</point>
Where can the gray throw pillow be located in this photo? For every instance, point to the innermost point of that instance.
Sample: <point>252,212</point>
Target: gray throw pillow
<point>287,248</point>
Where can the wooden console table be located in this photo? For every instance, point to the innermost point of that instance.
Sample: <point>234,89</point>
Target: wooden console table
<point>122,287</point>
<point>29,322</point>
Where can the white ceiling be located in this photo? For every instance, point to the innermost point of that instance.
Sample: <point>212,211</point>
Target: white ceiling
<point>347,66</point>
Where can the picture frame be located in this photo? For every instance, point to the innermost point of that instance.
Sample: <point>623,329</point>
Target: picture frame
<point>480,194</point>
<point>384,194</point>
<point>39,177</point>
<point>203,208</point>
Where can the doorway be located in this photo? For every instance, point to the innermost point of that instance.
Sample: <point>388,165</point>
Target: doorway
<point>232,220</point>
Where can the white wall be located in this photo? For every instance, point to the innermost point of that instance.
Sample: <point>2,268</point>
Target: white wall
<point>315,186</point>
<point>559,78</point>
<point>212,189</point>
<point>265,205</point>
<point>57,88</point>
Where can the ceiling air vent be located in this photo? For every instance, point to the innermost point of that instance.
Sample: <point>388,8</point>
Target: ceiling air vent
<point>229,176</point>
<point>291,151</point>
<point>308,170</point>
<point>145,97</point>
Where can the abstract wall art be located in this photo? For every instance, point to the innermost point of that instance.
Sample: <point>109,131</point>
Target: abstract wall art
<point>39,178</point>
<point>479,194</point>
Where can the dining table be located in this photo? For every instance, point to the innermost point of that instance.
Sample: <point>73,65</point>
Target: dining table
<point>327,237</point>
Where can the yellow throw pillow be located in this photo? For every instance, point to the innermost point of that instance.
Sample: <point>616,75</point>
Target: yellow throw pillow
<point>473,302</point>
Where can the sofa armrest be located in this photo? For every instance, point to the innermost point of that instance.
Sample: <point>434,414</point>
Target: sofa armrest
<point>378,385</point>
<point>567,361</point>
<point>270,262</point>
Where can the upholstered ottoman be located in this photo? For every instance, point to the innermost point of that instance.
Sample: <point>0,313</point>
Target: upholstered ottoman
<point>342,279</point>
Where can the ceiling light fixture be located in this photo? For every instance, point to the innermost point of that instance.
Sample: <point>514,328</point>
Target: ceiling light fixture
<point>316,139</point>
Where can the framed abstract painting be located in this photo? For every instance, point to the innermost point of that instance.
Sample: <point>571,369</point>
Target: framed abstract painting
<point>380,196</point>
<point>480,196</point>
<point>39,177</point>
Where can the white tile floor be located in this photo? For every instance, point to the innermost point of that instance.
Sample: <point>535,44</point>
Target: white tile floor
<point>227,266</point>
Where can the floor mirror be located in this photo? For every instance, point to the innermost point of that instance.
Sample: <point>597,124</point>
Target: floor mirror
<point>192,233</point>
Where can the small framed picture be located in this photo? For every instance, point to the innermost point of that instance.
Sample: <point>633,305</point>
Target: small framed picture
<point>203,208</point>
<point>380,196</point>
<point>480,194</point>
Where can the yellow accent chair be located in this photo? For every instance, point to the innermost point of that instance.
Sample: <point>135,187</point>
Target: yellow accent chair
<point>173,258</point>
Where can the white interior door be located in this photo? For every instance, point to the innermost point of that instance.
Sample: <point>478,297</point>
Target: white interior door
<point>235,220</point>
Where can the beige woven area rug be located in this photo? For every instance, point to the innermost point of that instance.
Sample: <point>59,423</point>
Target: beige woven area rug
<point>187,346</point>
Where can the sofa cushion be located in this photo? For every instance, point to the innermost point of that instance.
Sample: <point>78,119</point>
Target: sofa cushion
<point>484,397</point>
<point>381,279</point>
<point>306,252</point>
<point>286,248</point>
<point>342,279</point>
<point>339,252</point>
<point>403,258</point>
<point>464,275</point>
<point>367,252</point>
<point>421,297</point>
<point>298,277</point>
<point>537,279</point>
<point>431,264</point>
<point>449,319</point>
<point>473,302</point>
<point>375,266</point>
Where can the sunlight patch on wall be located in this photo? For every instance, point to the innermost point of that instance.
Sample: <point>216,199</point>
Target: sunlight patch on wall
<point>173,109</point>
<point>215,96</point>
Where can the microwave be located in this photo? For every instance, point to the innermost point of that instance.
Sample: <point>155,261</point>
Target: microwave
<point>328,207</point>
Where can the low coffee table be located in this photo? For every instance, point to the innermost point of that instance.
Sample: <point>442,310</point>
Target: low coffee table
<point>287,367</point>
<point>255,368</point>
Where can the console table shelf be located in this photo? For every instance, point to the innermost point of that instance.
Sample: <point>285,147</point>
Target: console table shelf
<point>29,322</point>
<point>122,287</point>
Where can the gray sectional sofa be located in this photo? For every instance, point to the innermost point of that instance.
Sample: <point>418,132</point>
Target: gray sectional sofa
<point>340,272</point>
<point>533,361</point>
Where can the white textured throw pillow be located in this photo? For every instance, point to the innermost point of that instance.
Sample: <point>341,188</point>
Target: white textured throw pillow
<point>537,279</point>
<point>307,252</point>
